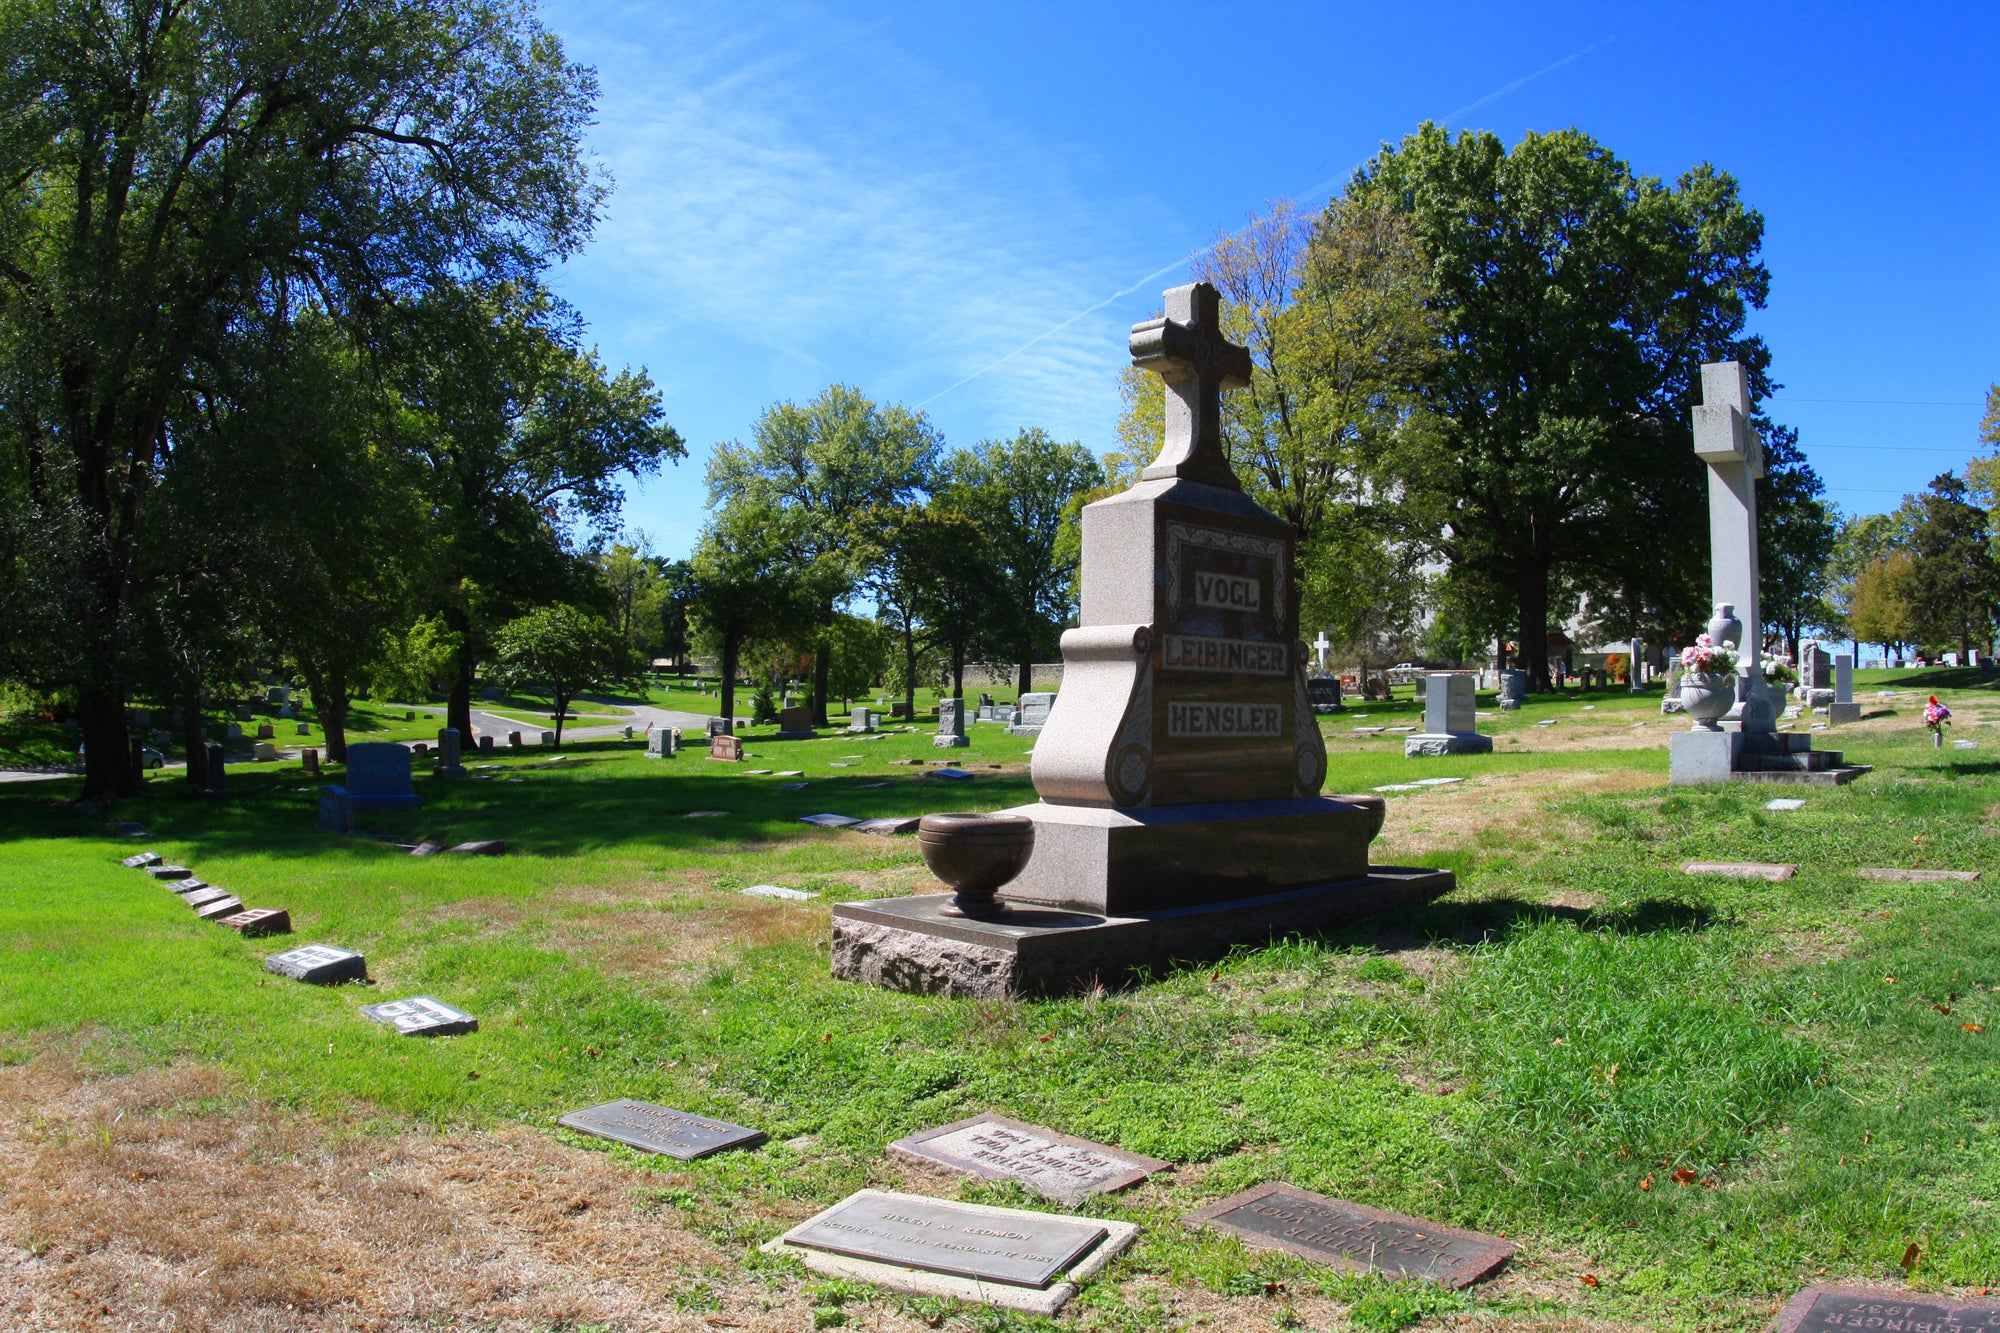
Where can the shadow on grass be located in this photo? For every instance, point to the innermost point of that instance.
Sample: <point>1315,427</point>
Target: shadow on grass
<point>1494,920</point>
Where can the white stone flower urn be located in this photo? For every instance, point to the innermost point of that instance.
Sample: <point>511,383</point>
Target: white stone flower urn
<point>1706,696</point>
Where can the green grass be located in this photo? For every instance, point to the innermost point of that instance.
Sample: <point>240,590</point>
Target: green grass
<point>1496,1060</point>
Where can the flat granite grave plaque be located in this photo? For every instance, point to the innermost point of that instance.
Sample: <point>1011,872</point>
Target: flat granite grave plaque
<point>226,906</point>
<point>993,1147</point>
<point>1354,1237</point>
<point>255,921</point>
<point>1740,869</point>
<point>184,887</point>
<point>1918,876</point>
<point>169,872</point>
<point>660,1129</point>
<point>999,1256</point>
<point>202,897</point>
<point>421,1016</point>
<point>1825,1308</point>
<point>320,964</point>
<point>142,860</point>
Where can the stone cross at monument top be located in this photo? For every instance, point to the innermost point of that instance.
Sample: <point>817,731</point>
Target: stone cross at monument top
<point>1726,441</point>
<point>1187,349</point>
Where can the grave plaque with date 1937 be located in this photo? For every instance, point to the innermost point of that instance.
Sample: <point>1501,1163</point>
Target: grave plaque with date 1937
<point>1832,1309</point>
<point>660,1129</point>
<point>1355,1237</point>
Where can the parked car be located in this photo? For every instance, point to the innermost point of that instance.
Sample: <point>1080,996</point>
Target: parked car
<point>154,759</point>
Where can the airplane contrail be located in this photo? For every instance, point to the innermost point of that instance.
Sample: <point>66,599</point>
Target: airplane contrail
<point>1323,187</point>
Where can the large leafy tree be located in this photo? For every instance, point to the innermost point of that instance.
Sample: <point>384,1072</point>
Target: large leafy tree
<point>568,649</point>
<point>170,171</point>
<point>1954,580</point>
<point>520,435</point>
<point>1018,492</point>
<point>1578,301</point>
<point>744,587</point>
<point>835,467</point>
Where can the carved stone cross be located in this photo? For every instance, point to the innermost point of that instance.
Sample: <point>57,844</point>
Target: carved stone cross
<point>1321,645</point>
<point>1187,350</point>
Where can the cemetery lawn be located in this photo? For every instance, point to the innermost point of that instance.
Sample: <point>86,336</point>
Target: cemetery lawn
<point>1682,1097</point>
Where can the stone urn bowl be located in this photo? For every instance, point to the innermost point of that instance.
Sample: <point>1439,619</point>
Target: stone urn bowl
<point>1706,696</point>
<point>975,854</point>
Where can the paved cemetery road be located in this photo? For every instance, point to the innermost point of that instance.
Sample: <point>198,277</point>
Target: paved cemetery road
<point>635,716</point>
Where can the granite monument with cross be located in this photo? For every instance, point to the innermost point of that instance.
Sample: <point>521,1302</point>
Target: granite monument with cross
<point>1746,744</point>
<point>1180,769</point>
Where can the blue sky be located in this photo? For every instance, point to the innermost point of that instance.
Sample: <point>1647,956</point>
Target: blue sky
<point>965,206</point>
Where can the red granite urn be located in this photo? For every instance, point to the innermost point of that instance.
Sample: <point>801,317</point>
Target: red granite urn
<point>975,855</point>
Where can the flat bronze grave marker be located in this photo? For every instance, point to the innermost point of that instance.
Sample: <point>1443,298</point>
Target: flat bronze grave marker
<point>256,921</point>
<point>320,964</point>
<point>1355,1237</point>
<point>661,1129</point>
<point>993,1147</point>
<point>1826,1308</point>
<point>973,1252</point>
<point>1740,869</point>
<point>421,1016</point>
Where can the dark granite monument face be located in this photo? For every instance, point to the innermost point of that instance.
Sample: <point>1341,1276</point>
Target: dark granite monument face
<point>421,1016</point>
<point>660,1129</point>
<point>1357,1238</point>
<point>941,1237</point>
<point>378,777</point>
<point>1834,1309</point>
<point>320,964</point>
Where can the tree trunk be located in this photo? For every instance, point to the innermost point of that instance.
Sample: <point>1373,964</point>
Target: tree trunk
<point>562,713</point>
<point>458,710</point>
<point>957,673</point>
<point>192,735</point>
<point>107,742</point>
<point>822,676</point>
<point>732,644</point>
<point>1027,679</point>
<point>332,707</point>
<point>910,670</point>
<point>1531,599</point>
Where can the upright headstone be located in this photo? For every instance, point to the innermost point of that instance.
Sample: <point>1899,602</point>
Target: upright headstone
<point>548,738</point>
<point>951,725</point>
<point>795,724</point>
<point>378,777</point>
<point>1513,690</point>
<point>486,743</point>
<point>214,781</point>
<point>234,731</point>
<point>336,810</point>
<point>514,739</point>
<point>309,762</point>
<point>719,726</point>
<point>660,743</point>
<point>450,763</point>
<point>1815,675</point>
<point>1843,708</point>
<point>1449,725</point>
<point>1635,670</point>
<point>722,745</point>
<point>861,720</point>
<point>1032,714</point>
<point>1324,691</point>
<point>1180,766</point>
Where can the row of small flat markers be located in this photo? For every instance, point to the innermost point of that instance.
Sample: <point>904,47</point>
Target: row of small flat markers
<point>321,964</point>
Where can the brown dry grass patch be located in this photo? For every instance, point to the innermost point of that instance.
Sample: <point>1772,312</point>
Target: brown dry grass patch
<point>1513,805</point>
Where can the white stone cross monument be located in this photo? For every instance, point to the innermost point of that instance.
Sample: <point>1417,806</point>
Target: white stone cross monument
<point>1726,441</point>
<point>1321,646</point>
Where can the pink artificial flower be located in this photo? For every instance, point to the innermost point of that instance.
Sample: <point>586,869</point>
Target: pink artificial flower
<point>1935,713</point>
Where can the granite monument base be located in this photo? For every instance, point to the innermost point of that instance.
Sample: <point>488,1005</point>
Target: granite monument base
<point>905,944</point>
<point>1838,714</point>
<point>1702,758</point>
<point>1458,742</point>
<point>1101,860</point>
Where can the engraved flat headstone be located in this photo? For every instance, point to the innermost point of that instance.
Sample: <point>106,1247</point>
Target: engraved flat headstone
<point>1740,869</point>
<point>320,964</point>
<point>889,826</point>
<point>1918,876</point>
<point>993,1147</point>
<point>142,860</point>
<point>778,891</point>
<point>1021,1249</point>
<point>660,1129</point>
<point>905,1243</point>
<point>829,821</point>
<point>226,906</point>
<point>202,897</point>
<point>186,886</point>
<point>1825,1308</point>
<point>1785,803</point>
<point>487,847</point>
<point>257,921</point>
<point>169,872</point>
<point>421,1016</point>
<point>1354,1237</point>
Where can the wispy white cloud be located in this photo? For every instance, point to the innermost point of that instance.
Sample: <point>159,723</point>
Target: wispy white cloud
<point>793,185</point>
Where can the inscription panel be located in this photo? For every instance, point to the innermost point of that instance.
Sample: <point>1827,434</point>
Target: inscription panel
<point>996,1148</point>
<point>1223,583</point>
<point>1195,719</point>
<point>1353,1236</point>
<point>1832,1309</point>
<point>1021,1249</point>
<point>1203,652</point>
<point>661,1129</point>
<point>1229,592</point>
